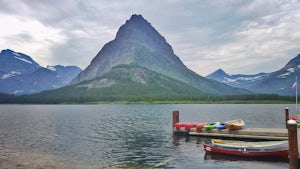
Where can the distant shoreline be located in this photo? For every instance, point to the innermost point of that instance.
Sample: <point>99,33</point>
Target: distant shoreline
<point>197,102</point>
<point>165,102</point>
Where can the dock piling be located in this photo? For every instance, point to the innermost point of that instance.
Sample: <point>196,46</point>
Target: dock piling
<point>286,116</point>
<point>175,118</point>
<point>293,144</point>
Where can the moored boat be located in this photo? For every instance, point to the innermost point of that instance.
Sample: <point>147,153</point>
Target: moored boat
<point>250,144</point>
<point>189,125</point>
<point>243,148</point>
<point>211,125</point>
<point>235,124</point>
<point>199,126</point>
<point>179,125</point>
<point>221,126</point>
<point>245,152</point>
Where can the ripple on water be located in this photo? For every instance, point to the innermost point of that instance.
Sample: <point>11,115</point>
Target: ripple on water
<point>118,136</point>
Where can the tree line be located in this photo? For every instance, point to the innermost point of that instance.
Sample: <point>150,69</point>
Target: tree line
<point>77,98</point>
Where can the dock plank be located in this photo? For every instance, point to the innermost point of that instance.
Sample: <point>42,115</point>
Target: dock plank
<point>245,133</point>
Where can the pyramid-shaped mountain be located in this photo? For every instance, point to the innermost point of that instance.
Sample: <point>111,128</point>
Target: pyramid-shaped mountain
<point>138,43</point>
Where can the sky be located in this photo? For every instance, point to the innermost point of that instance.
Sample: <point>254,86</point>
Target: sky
<point>239,36</point>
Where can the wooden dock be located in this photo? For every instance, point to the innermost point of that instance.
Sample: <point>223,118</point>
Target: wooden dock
<point>246,133</point>
<point>290,133</point>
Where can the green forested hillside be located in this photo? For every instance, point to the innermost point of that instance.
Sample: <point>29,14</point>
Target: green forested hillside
<point>122,83</point>
<point>131,83</point>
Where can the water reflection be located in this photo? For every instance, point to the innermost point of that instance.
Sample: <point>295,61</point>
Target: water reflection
<point>114,136</point>
<point>222,157</point>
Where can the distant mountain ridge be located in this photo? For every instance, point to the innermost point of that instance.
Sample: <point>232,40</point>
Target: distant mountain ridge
<point>277,82</point>
<point>20,74</point>
<point>237,80</point>
<point>17,63</point>
<point>138,43</point>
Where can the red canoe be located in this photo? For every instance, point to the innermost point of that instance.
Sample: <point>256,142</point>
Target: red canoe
<point>199,126</point>
<point>179,125</point>
<point>254,151</point>
<point>189,125</point>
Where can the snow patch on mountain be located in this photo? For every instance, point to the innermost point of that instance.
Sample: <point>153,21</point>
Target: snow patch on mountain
<point>16,54</point>
<point>289,72</point>
<point>242,78</point>
<point>23,59</point>
<point>52,68</point>
<point>10,74</point>
<point>18,92</point>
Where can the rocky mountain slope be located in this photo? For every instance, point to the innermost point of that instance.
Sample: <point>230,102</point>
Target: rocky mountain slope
<point>277,82</point>
<point>237,80</point>
<point>138,43</point>
<point>20,74</point>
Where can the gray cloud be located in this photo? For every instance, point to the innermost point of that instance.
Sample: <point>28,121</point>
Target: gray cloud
<point>239,36</point>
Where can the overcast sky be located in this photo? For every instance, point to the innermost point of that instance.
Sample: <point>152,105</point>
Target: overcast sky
<point>239,36</point>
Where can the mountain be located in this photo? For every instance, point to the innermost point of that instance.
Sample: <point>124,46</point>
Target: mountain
<point>20,74</point>
<point>128,79</point>
<point>277,82</point>
<point>138,43</point>
<point>123,83</point>
<point>17,63</point>
<point>281,81</point>
<point>237,80</point>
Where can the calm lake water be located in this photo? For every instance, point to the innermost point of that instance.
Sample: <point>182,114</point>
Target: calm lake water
<point>122,136</point>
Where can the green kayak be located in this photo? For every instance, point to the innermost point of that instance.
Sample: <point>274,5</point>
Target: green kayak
<point>211,125</point>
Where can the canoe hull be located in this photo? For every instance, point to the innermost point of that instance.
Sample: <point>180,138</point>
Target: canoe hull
<point>189,125</point>
<point>234,124</point>
<point>199,126</point>
<point>211,125</point>
<point>246,152</point>
<point>262,145</point>
<point>220,126</point>
<point>231,127</point>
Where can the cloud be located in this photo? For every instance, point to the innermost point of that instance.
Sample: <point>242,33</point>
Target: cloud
<point>236,35</point>
<point>29,36</point>
<point>263,41</point>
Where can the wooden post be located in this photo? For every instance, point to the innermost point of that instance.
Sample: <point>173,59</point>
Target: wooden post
<point>286,116</point>
<point>175,118</point>
<point>293,144</point>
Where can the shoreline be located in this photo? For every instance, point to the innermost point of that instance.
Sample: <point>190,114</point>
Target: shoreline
<point>165,102</point>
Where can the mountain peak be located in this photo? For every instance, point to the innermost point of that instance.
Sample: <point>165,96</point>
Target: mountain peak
<point>293,63</point>
<point>136,42</point>
<point>139,43</point>
<point>136,18</point>
<point>20,74</point>
<point>216,74</point>
<point>138,28</point>
<point>220,71</point>
<point>15,61</point>
<point>19,56</point>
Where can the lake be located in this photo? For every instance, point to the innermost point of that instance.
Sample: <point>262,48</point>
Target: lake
<point>122,136</point>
